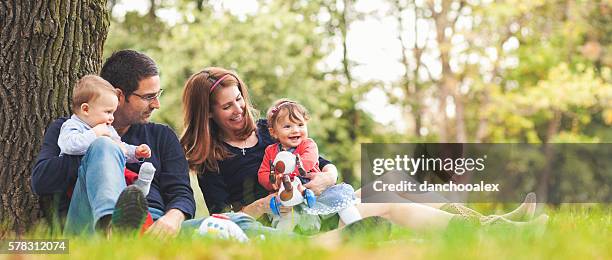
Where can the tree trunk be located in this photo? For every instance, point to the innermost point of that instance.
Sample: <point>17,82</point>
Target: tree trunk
<point>461,134</point>
<point>45,46</point>
<point>544,179</point>
<point>353,113</point>
<point>483,120</point>
<point>447,82</point>
<point>410,78</point>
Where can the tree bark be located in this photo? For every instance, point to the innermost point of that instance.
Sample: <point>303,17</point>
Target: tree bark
<point>483,120</point>
<point>410,78</point>
<point>353,113</point>
<point>461,134</point>
<point>544,179</point>
<point>45,46</point>
<point>447,82</point>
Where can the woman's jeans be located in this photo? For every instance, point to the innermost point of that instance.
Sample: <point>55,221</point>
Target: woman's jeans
<point>248,224</point>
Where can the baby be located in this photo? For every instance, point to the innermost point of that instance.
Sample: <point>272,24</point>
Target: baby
<point>288,124</point>
<point>94,101</point>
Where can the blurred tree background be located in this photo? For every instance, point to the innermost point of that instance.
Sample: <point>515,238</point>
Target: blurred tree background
<point>472,71</point>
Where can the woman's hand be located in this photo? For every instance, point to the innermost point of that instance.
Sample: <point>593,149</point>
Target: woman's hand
<point>325,179</point>
<point>258,207</point>
<point>262,206</point>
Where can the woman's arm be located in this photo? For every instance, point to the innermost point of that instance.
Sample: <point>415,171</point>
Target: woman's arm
<point>322,181</point>
<point>258,207</point>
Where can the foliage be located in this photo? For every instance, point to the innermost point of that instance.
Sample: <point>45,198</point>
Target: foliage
<point>277,53</point>
<point>572,232</point>
<point>536,71</point>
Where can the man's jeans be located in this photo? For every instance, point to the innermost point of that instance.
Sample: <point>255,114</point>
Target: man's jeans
<point>101,180</point>
<point>99,183</point>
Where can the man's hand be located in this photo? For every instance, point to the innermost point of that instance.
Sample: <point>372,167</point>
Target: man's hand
<point>168,225</point>
<point>101,130</point>
<point>143,151</point>
<point>323,180</point>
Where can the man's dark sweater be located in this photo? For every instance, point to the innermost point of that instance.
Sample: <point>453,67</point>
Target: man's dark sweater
<point>55,175</point>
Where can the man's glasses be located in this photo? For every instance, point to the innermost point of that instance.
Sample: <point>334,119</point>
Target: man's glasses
<point>151,97</point>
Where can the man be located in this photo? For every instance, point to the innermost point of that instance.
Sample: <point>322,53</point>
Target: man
<point>88,188</point>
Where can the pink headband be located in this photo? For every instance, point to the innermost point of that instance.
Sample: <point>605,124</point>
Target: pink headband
<point>277,107</point>
<point>214,85</point>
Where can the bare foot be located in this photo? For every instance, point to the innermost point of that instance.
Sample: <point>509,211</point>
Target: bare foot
<point>502,221</point>
<point>525,211</point>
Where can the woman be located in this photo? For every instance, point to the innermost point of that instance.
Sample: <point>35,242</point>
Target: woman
<point>225,144</point>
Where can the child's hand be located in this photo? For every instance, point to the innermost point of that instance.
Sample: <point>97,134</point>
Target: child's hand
<point>101,130</point>
<point>143,151</point>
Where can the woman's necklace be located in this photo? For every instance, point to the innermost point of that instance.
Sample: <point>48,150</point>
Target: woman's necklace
<point>244,145</point>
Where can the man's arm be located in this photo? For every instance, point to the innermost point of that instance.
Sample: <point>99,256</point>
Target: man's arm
<point>168,225</point>
<point>53,173</point>
<point>174,185</point>
<point>173,179</point>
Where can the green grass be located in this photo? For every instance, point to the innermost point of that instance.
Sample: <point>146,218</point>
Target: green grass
<point>573,232</point>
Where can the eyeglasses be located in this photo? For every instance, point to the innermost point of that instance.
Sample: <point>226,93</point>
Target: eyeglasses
<point>151,97</point>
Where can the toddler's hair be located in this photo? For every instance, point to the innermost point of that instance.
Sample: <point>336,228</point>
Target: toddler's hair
<point>296,112</point>
<point>88,89</point>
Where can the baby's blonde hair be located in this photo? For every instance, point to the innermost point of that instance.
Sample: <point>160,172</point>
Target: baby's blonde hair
<point>88,89</point>
<point>296,111</point>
